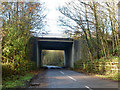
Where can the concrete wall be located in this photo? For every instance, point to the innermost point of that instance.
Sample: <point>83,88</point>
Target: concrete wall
<point>80,50</point>
<point>77,50</point>
<point>33,51</point>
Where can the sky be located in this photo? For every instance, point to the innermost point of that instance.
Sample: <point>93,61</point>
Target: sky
<point>53,14</point>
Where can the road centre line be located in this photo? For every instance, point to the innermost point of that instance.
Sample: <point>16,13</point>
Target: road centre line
<point>69,76</point>
<point>76,80</point>
<point>88,88</point>
<point>72,78</point>
<point>62,72</point>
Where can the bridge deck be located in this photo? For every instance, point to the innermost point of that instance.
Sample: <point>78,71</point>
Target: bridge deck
<point>54,43</point>
<point>43,38</point>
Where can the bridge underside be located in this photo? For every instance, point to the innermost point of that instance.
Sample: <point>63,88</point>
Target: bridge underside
<point>55,44</point>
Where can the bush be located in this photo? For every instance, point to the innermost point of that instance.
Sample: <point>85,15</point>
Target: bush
<point>9,70</point>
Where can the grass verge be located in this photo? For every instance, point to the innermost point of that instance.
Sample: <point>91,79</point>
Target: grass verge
<point>17,81</point>
<point>112,76</point>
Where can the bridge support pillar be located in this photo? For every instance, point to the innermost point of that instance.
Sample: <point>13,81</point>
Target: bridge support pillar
<point>39,57</point>
<point>68,54</point>
<point>72,59</point>
<point>40,60</point>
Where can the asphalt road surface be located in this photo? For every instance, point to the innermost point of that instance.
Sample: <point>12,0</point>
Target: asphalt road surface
<point>59,78</point>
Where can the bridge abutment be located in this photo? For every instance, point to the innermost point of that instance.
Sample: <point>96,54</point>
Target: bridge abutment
<point>62,44</point>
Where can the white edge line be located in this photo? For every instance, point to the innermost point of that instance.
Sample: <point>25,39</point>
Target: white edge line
<point>88,88</point>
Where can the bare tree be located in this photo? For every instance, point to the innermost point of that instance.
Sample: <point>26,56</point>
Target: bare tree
<point>96,20</point>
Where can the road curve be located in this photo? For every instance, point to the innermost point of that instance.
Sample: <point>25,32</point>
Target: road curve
<point>59,78</point>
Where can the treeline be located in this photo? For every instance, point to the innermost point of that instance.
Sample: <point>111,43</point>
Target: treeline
<point>53,57</point>
<point>18,19</point>
<point>96,22</point>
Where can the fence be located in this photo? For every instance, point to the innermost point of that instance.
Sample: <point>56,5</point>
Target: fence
<point>101,67</point>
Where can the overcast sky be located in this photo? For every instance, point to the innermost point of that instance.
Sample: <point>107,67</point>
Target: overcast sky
<point>53,14</point>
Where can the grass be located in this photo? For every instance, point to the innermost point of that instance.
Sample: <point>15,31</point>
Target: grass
<point>0,87</point>
<point>112,76</point>
<point>17,81</point>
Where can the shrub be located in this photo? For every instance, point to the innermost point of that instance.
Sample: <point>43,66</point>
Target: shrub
<point>9,70</point>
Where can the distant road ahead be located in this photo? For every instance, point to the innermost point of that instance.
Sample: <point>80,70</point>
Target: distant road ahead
<point>59,78</point>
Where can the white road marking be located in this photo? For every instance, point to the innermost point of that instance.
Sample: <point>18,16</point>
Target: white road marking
<point>62,72</point>
<point>88,88</point>
<point>72,78</point>
<point>69,76</point>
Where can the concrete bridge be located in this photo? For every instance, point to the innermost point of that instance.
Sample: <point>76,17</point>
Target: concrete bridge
<point>71,53</point>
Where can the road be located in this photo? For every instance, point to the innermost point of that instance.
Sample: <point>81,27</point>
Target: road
<point>59,78</point>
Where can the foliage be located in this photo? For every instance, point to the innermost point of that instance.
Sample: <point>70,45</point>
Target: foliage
<point>53,57</point>
<point>9,72</point>
<point>113,76</point>
<point>18,19</point>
